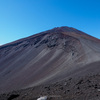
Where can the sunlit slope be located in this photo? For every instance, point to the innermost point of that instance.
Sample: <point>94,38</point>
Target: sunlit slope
<point>47,57</point>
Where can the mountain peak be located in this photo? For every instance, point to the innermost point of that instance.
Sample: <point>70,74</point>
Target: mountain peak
<point>63,29</point>
<point>71,32</point>
<point>46,57</point>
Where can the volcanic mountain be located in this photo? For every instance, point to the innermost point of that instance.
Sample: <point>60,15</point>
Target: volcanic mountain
<point>48,57</point>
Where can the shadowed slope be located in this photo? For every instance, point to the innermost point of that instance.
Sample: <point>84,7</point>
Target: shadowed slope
<point>46,57</point>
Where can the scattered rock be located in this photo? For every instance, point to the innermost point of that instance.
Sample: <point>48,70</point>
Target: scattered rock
<point>13,96</point>
<point>42,98</point>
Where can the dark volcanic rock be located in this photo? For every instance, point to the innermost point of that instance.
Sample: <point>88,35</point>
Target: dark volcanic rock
<point>59,58</point>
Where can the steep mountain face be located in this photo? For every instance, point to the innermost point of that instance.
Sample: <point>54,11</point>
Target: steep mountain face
<point>47,57</point>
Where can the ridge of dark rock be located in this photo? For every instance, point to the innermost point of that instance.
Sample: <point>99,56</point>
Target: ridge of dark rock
<point>59,30</point>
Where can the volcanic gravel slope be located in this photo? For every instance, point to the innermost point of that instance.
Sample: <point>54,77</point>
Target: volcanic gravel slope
<point>53,57</point>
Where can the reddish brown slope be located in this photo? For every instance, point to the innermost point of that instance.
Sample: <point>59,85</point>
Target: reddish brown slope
<point>46,57</point>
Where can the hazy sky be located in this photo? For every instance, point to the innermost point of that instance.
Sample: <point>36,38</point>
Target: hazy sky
<point>22,18</point>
